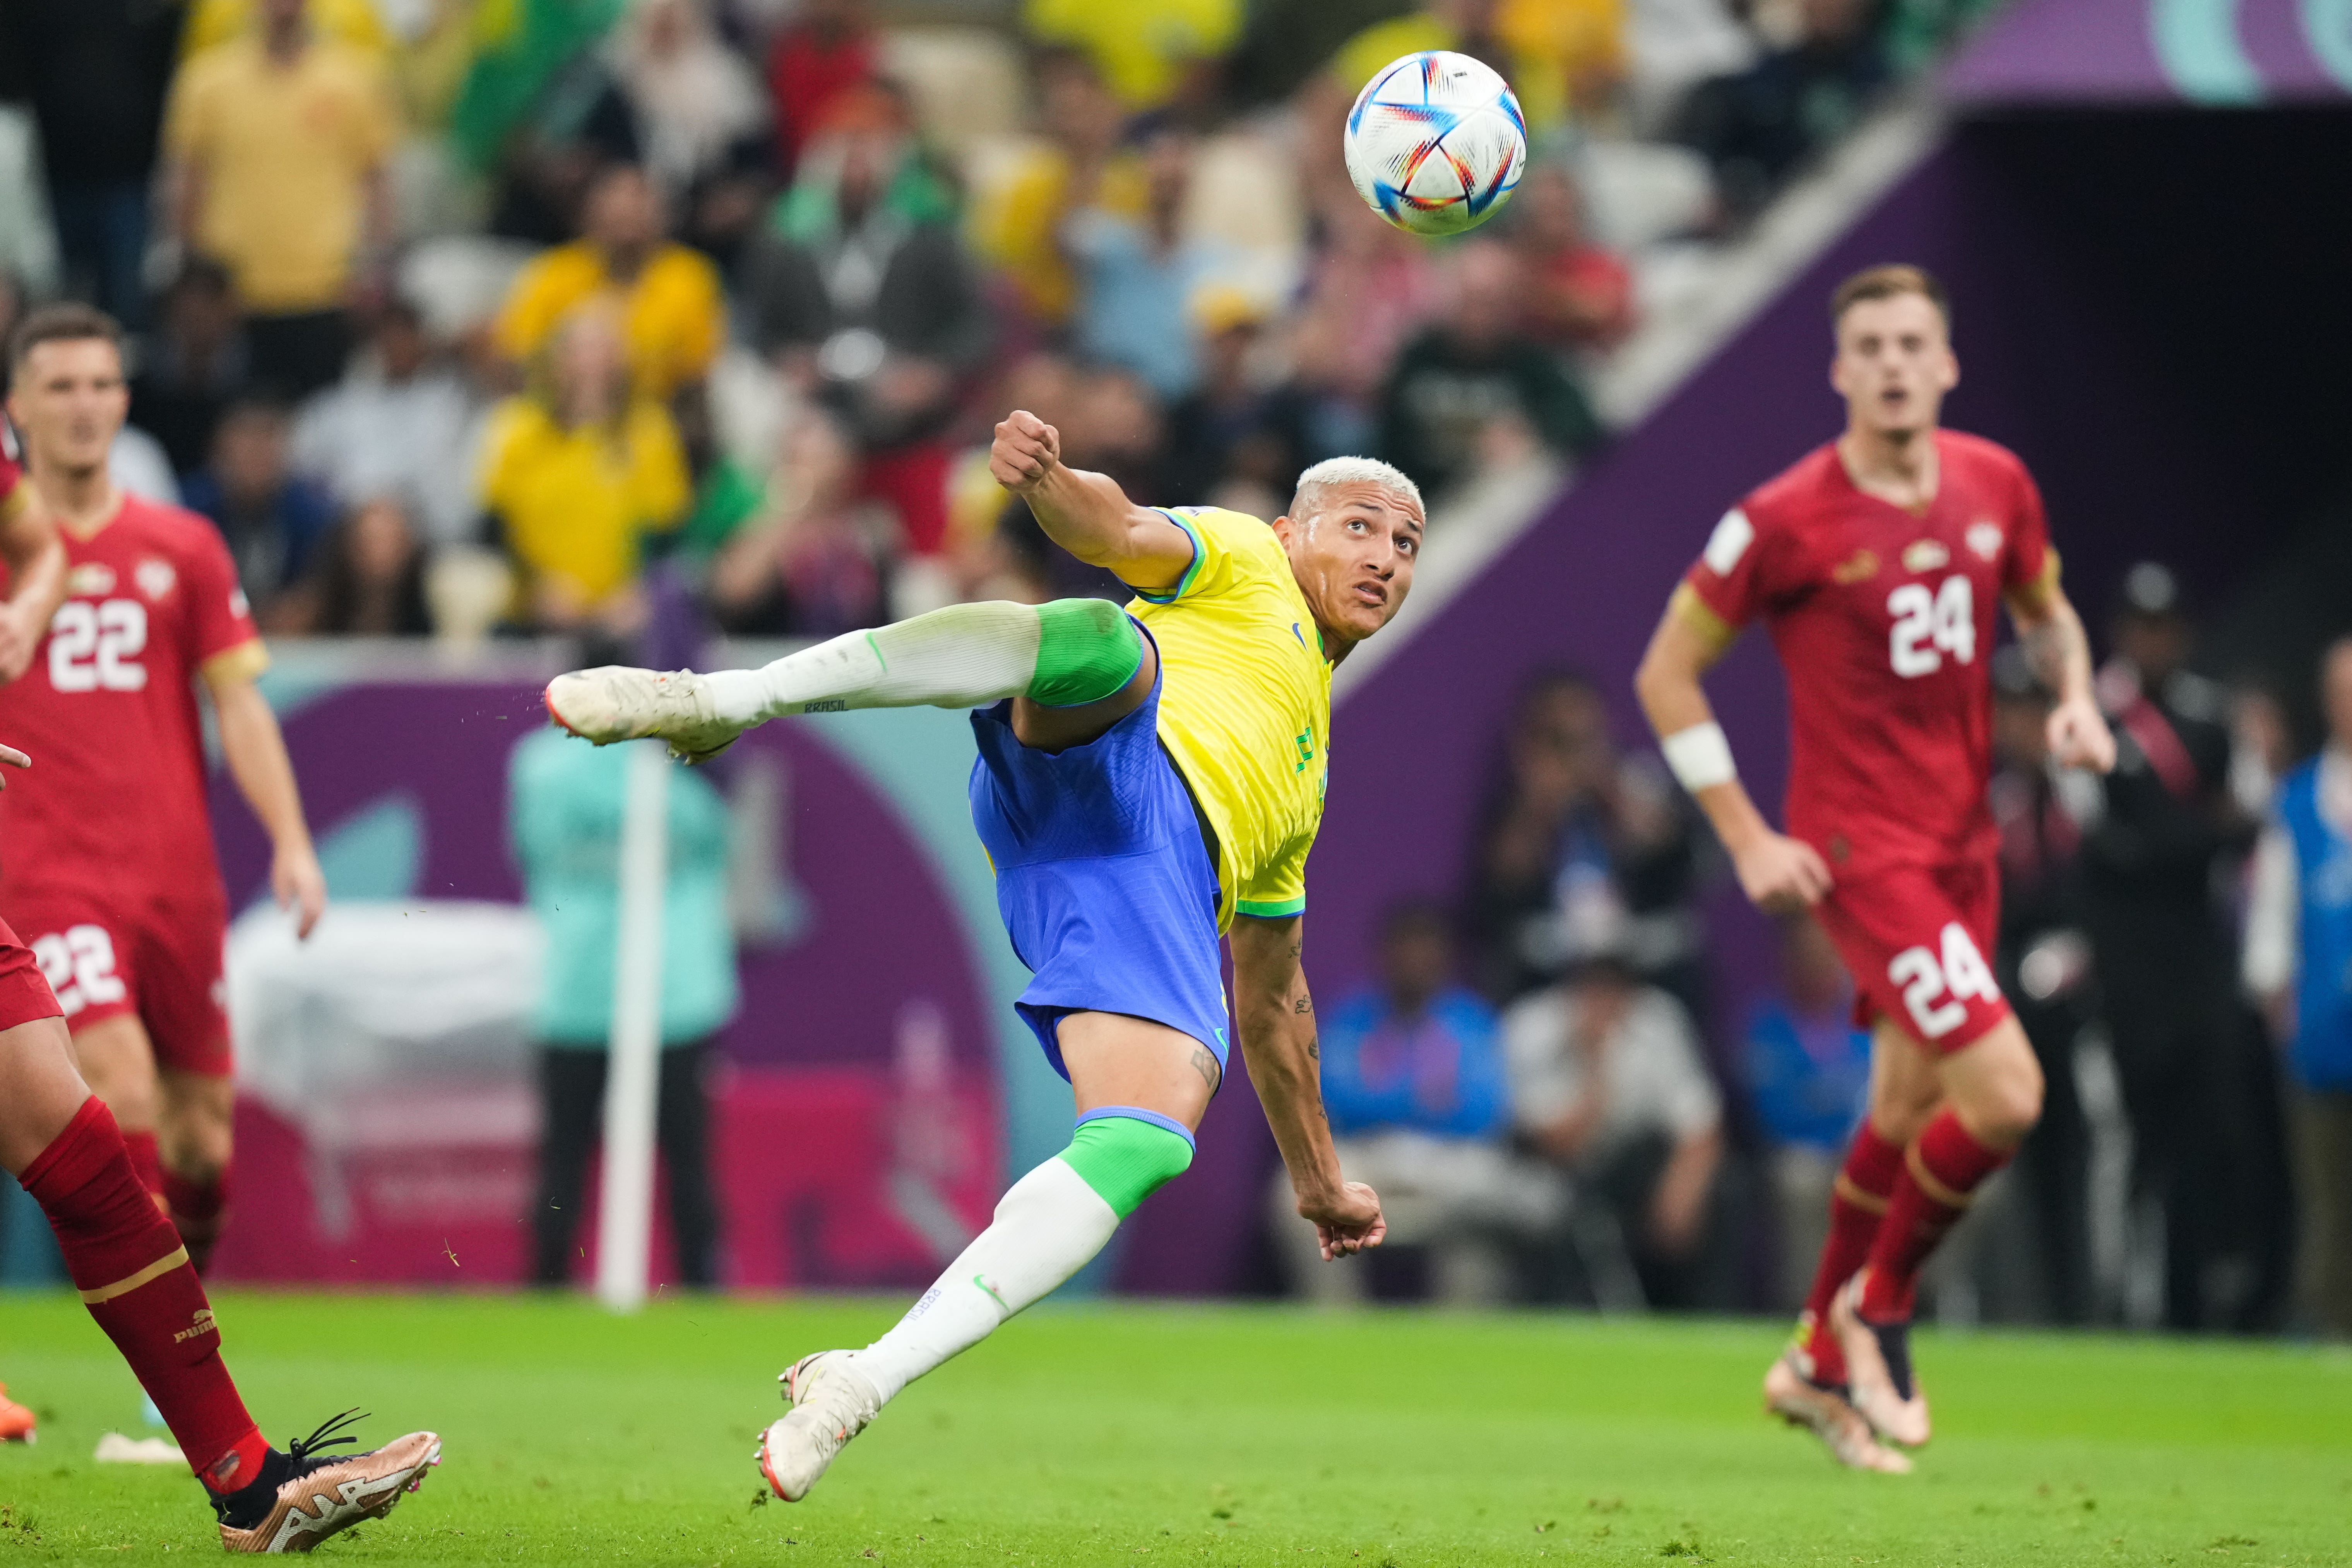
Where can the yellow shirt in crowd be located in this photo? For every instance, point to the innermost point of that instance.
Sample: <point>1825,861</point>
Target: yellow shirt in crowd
<point>674,315</point>
<point>574,502</point>
<point>1244,706</point>
<point>1554,45</point>
<point>283,152</point>
<point>1016,224</point>
<point>1142,47</point>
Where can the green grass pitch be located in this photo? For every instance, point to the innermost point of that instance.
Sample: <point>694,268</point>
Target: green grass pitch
<point>1226,1435</point>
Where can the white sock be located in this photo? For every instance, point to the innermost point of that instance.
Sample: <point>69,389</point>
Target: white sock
<point>1046,1229</point>
<point>964,656</point>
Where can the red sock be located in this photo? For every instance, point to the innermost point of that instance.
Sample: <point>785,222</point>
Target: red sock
<point>146,1163</point>
<point>198,1211</point>
<point>1857,1201</point>
<point>1941,1171</point>
<point>134,1277</point>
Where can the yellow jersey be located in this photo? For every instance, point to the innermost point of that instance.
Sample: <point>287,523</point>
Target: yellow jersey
<point>1244,706</point>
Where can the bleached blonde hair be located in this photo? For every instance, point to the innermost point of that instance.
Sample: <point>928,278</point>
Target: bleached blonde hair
<point>1315,484</point>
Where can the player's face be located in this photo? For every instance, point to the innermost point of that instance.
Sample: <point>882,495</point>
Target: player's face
<point>1893,364</point>
<point>1354,558</point>
<point>68,399</point>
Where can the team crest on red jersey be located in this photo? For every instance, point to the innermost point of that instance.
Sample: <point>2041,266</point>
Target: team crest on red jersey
<point>1925,555</point>
<point>155,577</point>
<point>1985,539</point>
<point>1859,567</point>
<point>95,578</point>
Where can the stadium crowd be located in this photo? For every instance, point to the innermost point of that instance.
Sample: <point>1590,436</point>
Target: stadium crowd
<point>459,319</point>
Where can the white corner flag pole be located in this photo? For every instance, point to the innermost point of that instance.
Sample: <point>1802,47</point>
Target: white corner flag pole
<point>625,1219</point>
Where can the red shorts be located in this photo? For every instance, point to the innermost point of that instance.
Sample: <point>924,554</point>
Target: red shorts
<point>158,961</point>
<point>25,996</point>
<point>1914,939</point>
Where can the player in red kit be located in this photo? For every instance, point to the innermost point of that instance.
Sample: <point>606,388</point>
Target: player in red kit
<point>61,1141</point>
<point>106,852</point>
<point>1876,563</point>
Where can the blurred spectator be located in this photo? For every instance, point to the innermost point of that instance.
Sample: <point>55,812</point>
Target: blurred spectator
<point>1757,126</point>
<point>2043,962</point>
<point>359,23</point>
<point>564,807</point>
<point>696,103</point>
<point>1017,222</point>
<point>2161,945</point>
<point>1154,54</point>
<point>1555,53</point>
<point>860,284</point>
<point>701,118</point>
<point>828,49</point>
<point>366,580</point>
<point>1607,1083</point>
<point>1582,848</point>
<point>1473,383</point>
<point>13,303</point>
<point>1808,1067</point>
<point>278,140</point>
<point>2298,963</point>
<point>189,369</point>
<point>1580,294</point>
<point>668,296</point>
<point>1370,289</point>
<point>1236,429</point>
<point>95,72</point>
<point>1415,1087</point>
<point>814,565</point>
<point>271,518</point>
<point>576,471</point>
<point>398,425</point>
<point>1137,277</point>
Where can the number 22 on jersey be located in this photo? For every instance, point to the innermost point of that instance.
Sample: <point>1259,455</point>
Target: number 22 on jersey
<point>96,647</point>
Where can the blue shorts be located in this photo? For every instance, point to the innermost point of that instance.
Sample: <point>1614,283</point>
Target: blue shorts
<point>1102,876</point>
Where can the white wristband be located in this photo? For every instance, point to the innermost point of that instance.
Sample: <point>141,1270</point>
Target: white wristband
<point>1699,757</point>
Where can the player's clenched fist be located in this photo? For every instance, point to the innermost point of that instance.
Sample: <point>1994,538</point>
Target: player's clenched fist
<point>2079,737</point>
<point>1780,875</point>
<point>1348,1221</point>
<point>1025,450</point>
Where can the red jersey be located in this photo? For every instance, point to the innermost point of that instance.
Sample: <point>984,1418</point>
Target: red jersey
<point>1885,624</point>
<point>115,797</point>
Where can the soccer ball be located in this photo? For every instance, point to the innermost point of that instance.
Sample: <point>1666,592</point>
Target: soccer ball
<point>1435,142</point>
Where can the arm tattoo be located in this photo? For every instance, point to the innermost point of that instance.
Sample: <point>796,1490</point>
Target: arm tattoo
<point>2049,647</point>
<point>1304,1005</point>
<point>1204,1062</point>
<point>1314,1049</point>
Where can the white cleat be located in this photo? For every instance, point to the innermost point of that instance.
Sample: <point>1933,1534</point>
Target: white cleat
<point>1801,1402</point>
<point>618,703</point>
<point>1881,1382</point>
<point>832,1401</point>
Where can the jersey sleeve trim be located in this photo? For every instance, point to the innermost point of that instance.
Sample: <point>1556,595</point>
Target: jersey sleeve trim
<point>239,661</point>
<point>1199,554</point>
<point>15,501</point>
<point>1270,908</point>
<point>1691,605</point>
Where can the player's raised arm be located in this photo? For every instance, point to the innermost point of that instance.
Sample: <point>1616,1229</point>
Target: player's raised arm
<point>2052,633</point>
<point>1086,513</point>
<point>1777,873</point>
<point>1275,1019</point>
<point>37,571</point>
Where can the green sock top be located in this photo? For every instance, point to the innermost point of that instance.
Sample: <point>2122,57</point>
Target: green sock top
<point>1087,649</point>
<point>1125,1158</point>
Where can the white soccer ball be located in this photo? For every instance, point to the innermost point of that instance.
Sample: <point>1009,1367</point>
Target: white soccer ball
<point>1435,142</point>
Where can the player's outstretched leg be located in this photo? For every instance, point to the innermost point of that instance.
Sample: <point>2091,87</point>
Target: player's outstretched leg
<point>1047,1227</point>
<point>1064,654</point>
<point>135,1278</point>
<point>1994,1089</point>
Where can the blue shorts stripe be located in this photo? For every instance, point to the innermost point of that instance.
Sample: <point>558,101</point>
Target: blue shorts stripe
<point>1136,1113</point>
